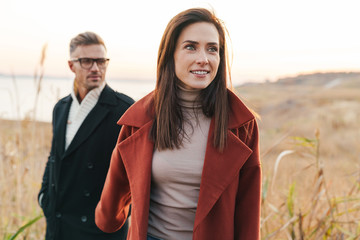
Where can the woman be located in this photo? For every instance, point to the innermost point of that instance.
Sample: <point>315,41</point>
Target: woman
<point>187,157</point>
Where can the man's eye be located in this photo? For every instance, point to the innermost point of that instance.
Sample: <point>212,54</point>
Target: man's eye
<point>86,60</point>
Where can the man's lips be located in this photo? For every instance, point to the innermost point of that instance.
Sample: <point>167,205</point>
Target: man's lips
<point>93,76</point>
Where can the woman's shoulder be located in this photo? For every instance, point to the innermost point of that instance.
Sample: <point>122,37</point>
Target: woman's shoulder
<point>239,113</point>
<point>139,113</point>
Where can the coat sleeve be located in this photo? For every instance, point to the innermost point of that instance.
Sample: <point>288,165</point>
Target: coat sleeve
<point>113,207</point>
<point>248,199</point>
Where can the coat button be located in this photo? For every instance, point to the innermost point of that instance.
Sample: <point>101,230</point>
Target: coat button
<point>86,193</point>
<point>58,215</point>
<point>83,218</point>
<point>90,165</point>
<point>53,185</point>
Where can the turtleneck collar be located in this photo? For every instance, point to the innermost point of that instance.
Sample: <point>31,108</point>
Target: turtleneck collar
<point>189,97</point>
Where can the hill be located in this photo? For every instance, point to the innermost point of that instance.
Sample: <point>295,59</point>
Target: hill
<point>323,79</point>
<point>301,104</point>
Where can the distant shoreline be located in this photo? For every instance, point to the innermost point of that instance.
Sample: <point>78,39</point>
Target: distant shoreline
<point>67,78</point>
<point>280,78</point>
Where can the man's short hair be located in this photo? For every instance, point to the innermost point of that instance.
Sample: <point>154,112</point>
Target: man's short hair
<point>86,38</point>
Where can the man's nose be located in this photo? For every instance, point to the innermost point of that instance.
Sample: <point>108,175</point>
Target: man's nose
<point>94,67</point>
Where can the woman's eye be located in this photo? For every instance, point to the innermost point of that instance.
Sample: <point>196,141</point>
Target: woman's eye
<point>213,49</point>
<point>189,47</point>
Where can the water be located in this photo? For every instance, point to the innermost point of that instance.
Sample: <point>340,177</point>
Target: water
<point>18,97</point>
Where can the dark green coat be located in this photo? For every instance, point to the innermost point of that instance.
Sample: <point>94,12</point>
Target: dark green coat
<point>73,179</point>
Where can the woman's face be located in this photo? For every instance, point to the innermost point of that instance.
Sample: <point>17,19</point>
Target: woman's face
<point>197,55</point>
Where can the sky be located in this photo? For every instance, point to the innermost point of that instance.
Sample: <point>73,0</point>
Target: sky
<point>269,39</point>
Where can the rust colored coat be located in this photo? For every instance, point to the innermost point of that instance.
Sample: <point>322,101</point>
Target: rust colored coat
<point>229,198</point>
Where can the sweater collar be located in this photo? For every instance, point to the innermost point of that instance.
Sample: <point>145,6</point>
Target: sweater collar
<point>93,94</point>
<point>189,98</point>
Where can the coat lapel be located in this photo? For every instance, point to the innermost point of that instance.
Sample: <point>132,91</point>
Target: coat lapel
<point>136,152</point>
<point>220,169</point>
<point>87,127</point>
<point>60,120</point>
<point>93,119</point>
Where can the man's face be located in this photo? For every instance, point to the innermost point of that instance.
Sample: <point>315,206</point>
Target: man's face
<point>88,79</point>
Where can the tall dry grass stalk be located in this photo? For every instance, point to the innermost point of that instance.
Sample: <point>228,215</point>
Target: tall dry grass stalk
<point>38,77</point>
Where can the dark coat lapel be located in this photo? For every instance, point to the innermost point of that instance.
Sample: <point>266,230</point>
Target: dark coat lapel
<point>87,127</point>
<point>93,119</point>
<point>60,119</point>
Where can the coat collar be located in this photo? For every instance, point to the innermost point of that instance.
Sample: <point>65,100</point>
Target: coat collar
<point>94,118</point>
<point>141,112</point>
<point>239,113</point>
<point>220,168</point>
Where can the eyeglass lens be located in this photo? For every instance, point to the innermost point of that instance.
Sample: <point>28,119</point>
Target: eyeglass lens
<point>88,62</point>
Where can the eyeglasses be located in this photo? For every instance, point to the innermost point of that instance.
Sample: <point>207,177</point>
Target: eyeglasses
<point>87,63</point>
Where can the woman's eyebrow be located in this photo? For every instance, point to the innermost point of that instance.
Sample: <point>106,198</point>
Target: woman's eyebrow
<point>190,41</point>
<point>195,42</point>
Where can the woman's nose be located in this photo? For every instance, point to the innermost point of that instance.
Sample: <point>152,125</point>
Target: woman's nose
<point>202,58</point>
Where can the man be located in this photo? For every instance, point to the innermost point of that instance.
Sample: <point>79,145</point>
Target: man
<point>84,135</point>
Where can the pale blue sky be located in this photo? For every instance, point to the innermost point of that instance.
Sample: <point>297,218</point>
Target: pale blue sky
<point>270,39</point>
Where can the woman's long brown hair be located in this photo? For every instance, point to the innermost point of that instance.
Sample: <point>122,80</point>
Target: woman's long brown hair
<point>167,131</point>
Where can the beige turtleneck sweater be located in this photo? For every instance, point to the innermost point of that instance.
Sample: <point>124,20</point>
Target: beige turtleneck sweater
<point>176,176</point>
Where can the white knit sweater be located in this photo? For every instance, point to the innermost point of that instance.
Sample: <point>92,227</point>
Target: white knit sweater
<point>79,111</point>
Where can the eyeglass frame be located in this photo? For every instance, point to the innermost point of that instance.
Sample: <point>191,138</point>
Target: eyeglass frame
<point>92,60</point>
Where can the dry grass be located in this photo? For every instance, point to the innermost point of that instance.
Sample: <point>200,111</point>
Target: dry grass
<point>310,139</point>
<point>23,151</point>
<point>310,154</point>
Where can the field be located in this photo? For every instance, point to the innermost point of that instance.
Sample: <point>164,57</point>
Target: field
<point>24,147</point>
<point>310,151</point>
